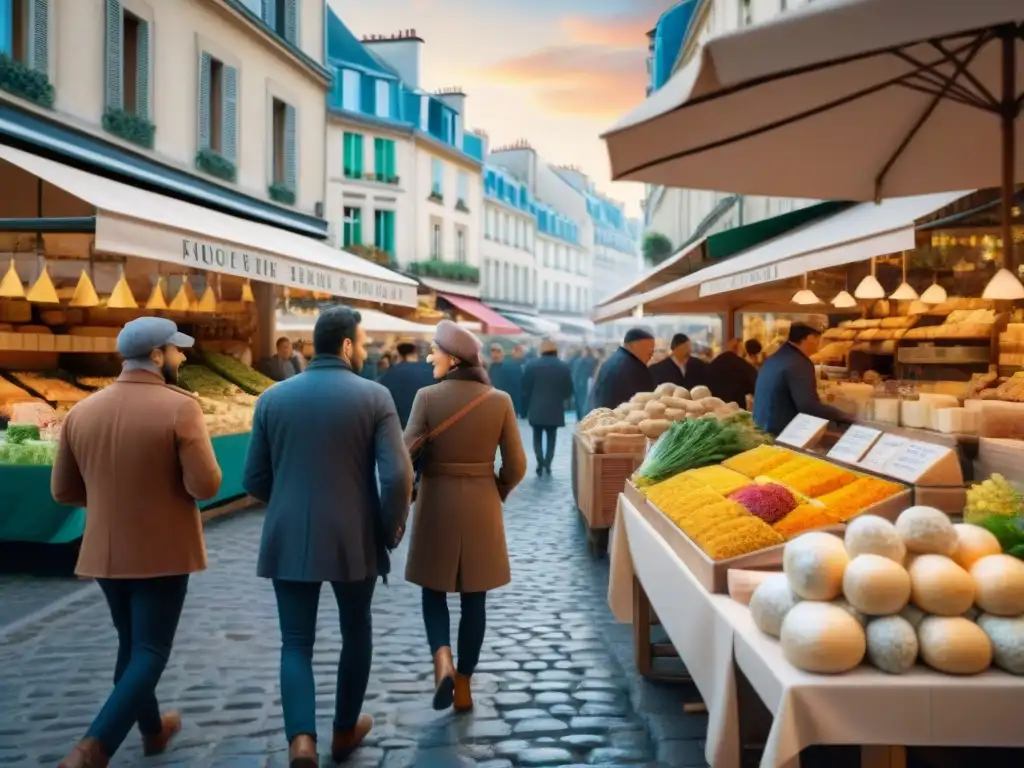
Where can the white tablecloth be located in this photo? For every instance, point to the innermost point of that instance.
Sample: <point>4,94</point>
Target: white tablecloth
<point>714,635</point>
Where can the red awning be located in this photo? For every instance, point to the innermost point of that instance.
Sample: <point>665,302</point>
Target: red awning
<point>494,324</point>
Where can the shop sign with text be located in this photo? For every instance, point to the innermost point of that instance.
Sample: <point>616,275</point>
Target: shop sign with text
<point>740,280</point>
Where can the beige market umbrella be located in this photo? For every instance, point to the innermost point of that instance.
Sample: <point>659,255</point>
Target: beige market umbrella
<point>844,100</point>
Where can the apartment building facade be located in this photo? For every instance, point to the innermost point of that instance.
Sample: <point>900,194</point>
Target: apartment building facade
<point>685,215</point>
<point>404,176</point>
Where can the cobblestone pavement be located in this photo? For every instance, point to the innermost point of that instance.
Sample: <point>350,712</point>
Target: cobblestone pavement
<point>555,685</point>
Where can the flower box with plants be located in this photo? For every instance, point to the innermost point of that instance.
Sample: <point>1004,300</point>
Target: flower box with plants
<point>281,193</point>
<point>372,253</point>
<point>214,163</point>
<point>391,180</point>
<point>370,176</point>
<point>24,81</point>
<point>129,126</point>
<point>445,270</point>
<point>460,205</point>
<point>436,197</point>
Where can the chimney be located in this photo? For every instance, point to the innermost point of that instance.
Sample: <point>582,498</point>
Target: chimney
<point>455,98</point>
<point>401,51</point>
<point>485,141</point>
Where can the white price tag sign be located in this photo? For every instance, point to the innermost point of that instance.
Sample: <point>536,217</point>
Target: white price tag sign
<point>886,448</point>
<point>915,459</point>
<point>802,431</point>
<point>854,443</point>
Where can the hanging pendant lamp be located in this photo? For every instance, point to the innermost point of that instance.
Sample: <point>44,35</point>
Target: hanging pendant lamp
<point>869,287</point>
<point>247,292</point>
<point>10,286</point>
<point>805,296</point>
<point>1004,285</point>
<point>180,302</point>
<point>905,291</point>
<point>934,293</point>
<point>844,300</point>
<point>156,297</point>
<point>85,292</point>
<point>42,291</point>
<point>208,301</point>
<point>121,297</point>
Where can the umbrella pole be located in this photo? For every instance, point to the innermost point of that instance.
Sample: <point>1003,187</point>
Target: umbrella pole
<point>1008,113</point>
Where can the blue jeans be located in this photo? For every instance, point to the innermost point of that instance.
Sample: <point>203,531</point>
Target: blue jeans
<point>297,604</point>
<point>145,613</point>
<point>472,626</point>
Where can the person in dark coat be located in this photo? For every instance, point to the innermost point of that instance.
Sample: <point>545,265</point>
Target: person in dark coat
<point>625,372</point>
<point>507,375</point>
<point>406,378</point>
<point>786,385</point>
<point>326,456</point>
<point>681,367</point>
<point>547,386</point>
<point>582,372</point>
<point>730,377</point>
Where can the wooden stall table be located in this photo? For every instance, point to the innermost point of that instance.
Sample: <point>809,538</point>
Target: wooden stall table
<point>598,480</point>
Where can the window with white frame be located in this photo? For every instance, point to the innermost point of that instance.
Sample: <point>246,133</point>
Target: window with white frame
<point>460,244</point>
<point>351,97</point>
<point>436,243</point>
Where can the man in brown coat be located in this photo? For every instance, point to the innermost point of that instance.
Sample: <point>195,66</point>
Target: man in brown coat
<point>137,455</point>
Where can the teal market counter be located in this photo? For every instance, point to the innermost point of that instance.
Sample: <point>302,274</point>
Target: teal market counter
<point>29,514</point>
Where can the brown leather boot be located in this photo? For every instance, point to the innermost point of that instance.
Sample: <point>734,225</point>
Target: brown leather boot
<point>463,693</point>
<point>302,752</point>
<point>157,743</point>
<point>88,753</point>
<point>346,742</point>
<point>444,678</point>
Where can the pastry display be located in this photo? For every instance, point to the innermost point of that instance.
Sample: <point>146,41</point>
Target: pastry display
<point>52,390</point>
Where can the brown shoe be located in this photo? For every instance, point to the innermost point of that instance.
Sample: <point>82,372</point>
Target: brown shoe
<point>444,678</point>
<point>88,753</point>
<point>463,693</point>
<point>157,743</point>
<point>302,752</point>
<point>345,743</point>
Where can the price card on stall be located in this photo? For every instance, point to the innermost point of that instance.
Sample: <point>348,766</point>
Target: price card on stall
<point>854,443</point>
<point>803,431</point>
<point>911,464</point>
<point>886,448</point>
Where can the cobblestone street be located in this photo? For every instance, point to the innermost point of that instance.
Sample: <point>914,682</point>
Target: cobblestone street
<point>555,685</point>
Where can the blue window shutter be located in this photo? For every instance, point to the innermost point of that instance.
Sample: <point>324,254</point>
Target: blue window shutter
<point>291,157</point>
<point>270,13</point>
<point>40,35</point>
<point>367,93</point>
<point>203,108</point>
<point>229,120</point>
<point>291,21</point>
<point>142,76</point>
<point>115,33</point>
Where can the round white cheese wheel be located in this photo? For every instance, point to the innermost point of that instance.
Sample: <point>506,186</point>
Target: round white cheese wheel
<point>999,585</point>
<point>954,645</point>
<point>822,637</point>
<point>940,586</point>
<point>814,564</point>
<point>874,535</point>
<point>926,530</point>
<point>973,543</point>
<point>892,644</point>
<point>1007,636</point>
<point>770,603</point>
<point>876,585</point>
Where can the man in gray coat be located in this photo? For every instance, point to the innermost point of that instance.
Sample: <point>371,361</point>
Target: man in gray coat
<point>320,441</point>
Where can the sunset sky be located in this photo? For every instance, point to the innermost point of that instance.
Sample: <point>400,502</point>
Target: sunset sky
<point>555,72</point>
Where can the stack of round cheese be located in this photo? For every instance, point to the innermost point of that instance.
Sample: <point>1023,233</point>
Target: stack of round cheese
<point>923,588</point>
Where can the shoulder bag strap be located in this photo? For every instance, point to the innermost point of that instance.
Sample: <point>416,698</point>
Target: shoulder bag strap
<point>451,421</point>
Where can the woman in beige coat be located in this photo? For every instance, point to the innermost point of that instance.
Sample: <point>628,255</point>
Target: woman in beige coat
<point>458,531</point>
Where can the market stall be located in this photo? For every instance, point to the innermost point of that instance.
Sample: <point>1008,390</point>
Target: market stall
<point>99,253</point>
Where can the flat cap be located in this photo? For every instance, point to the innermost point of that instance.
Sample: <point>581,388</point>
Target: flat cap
<point>457,342</point>
<point>141,336</point>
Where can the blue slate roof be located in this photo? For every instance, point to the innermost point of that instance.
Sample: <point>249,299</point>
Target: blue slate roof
<point>344,47</point>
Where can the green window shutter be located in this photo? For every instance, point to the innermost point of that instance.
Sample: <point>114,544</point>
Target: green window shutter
<point>39,19</point>
<point>142,75</point>
<point>392,166</point>
<point>357,226</point>
<point>357,165</point>
<point>115,35</point>
<point>291,21</point>
<point>389,232</point>
<point>205,61</point>
<point>291,158</point>
<point>229,120</point>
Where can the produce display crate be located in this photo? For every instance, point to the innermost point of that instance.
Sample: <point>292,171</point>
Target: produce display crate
<point>600,478</point>
<point>714,574</point>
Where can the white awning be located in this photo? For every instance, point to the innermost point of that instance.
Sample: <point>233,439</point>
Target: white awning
<point>856,234</point>
<point>374,321</point>
<point>136,222</point>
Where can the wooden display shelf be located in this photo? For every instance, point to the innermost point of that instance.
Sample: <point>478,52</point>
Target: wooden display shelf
<point>645,651</point>
<point>599,480</point>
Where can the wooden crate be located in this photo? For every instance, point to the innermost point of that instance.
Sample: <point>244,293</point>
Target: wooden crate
<point>600,478</point>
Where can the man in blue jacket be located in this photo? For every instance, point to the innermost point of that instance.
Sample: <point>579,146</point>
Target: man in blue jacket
<point>319,443</point>
<point>407,377</point>
<point>625,372</point>
<point>786,385</point>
